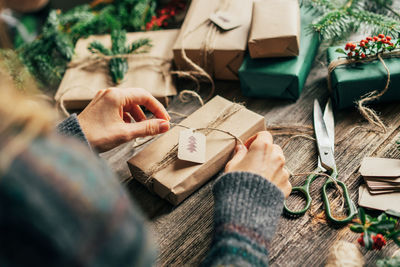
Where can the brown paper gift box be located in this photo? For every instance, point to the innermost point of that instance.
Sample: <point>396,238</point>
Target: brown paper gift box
<point>226,48</point>
<point>82,81</point>
<point>275,29</point>
<point>158,167</point>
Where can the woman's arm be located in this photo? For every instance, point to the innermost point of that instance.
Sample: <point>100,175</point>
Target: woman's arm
<point>248,203</point>
<point>62,206</point>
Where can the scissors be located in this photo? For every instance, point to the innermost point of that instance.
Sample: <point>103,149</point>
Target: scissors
<point>324,127</point>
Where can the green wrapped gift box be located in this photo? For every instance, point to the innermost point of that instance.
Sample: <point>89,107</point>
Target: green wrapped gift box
<point>351,82</point>
<point>281,77</point>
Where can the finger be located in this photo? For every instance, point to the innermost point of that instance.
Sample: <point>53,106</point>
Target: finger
<point>147,128</point>
<point>139,96</point>
<point>136,112</point>
<point>239,154</point>
<point>127,117</point>
<point>263,135</point>
<point>261,141</point>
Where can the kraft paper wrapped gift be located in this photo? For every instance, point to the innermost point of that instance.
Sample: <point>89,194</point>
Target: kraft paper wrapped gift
<point>275,29</point>
<point>82,81</point>
<point>158,167</point>
<point>281,77</point>
<point>219,52</point>
<point>350,82</point>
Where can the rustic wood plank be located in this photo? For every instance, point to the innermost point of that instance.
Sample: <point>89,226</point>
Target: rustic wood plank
<point>184,233</point>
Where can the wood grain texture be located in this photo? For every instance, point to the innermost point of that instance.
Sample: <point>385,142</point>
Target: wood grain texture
<point>184,232</point>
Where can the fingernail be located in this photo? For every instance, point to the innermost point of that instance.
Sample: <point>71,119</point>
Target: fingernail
<point>169,117</point>
<point>164,126</point>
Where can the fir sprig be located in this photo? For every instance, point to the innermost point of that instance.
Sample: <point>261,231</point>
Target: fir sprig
<point>338,18</point>
<point>118,64</point>
<point>48,55</point>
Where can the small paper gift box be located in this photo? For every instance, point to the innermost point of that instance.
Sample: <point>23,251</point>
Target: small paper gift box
<point>157,166</point>
<point>349,83</point>
<point>281,77</point>
<point>270,34</point>
<point>150,70</point>
<point>214,36</point>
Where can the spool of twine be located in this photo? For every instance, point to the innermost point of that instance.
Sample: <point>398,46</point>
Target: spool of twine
<point>344,254</point>
<point>368,113</point>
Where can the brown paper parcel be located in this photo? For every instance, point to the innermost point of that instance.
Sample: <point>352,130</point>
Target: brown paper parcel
<point>158,167</point>
<point>219,52</point>
<point>150,70</point>
<point>275,29</point>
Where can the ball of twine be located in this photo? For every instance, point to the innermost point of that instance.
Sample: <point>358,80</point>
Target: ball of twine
<point>342,254</point>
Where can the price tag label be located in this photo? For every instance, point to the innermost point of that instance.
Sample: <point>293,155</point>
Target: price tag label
<point>224,20</point>
<point>192,146</point>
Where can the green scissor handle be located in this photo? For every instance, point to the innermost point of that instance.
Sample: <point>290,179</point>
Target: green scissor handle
<point>350,204</point>
<point>305,192</point>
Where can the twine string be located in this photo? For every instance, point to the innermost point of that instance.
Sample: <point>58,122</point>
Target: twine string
<point>368,113</point>
<point>337,186</point>
<point>172,155</point>
<point>206,51</point>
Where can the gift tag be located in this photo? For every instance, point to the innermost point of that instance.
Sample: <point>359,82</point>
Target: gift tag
<point>224,20</point>
<point>380,167</point>
<point>192,146</point>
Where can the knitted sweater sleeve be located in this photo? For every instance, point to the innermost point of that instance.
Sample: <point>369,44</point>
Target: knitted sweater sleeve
<point>247,209</point>
<point>71,127</point>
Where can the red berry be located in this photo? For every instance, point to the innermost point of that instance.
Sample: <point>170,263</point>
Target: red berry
<point>381,35</point>
<point>369,38</point>
<point>362,44</point>
<point>360,240</point>
<point>388,38</point>
<point>391,44</point>
<point>364,40</point>
<point>363,55</point>
<point>350,54</point>
<point>379,241</point>
<point>375,38</point>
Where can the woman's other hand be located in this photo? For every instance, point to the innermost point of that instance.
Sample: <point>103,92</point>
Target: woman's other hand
<point>262,157</point>
<point>106,120</point>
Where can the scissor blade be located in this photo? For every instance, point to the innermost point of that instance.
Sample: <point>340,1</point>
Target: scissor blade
<point>330,123</point>
<point>323,141</point>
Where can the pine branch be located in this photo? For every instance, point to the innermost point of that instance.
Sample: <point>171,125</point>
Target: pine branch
<point>321,6</point>
<point>48,55</point>
<point>118,66</point>
<point>333,24</point>
<point>339,19</point>
<point>141,43</point>
<point>376,23</point>
<point>97,47</point>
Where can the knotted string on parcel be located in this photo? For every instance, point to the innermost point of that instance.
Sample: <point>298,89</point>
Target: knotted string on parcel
<point>157,64</point>
<point>368,113</point>
<point>206,50</point>
<point>172,155</point>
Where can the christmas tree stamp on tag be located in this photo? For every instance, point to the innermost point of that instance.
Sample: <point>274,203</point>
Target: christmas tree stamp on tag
<point>192,146</point>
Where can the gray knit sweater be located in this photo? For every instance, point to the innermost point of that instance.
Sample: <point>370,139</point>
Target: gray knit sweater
<point>84,230</point>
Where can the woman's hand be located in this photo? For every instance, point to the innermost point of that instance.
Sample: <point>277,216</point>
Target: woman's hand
<point>262,157</point>
<point>106,120</point>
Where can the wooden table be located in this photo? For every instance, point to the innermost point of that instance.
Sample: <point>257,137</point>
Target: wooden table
<point>184,232</point>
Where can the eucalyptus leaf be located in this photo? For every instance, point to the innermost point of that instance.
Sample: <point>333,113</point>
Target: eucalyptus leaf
<point>341,51</point>
<point>361,215</point>
<point>358,228</point>
<point>367,240</point>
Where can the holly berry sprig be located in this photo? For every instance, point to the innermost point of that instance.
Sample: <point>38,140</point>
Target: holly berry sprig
<point>375,232</point>
<point>370,46</point>
<point>165,14</point>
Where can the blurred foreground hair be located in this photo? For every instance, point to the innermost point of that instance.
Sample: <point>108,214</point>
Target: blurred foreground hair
<point>24,116</point>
